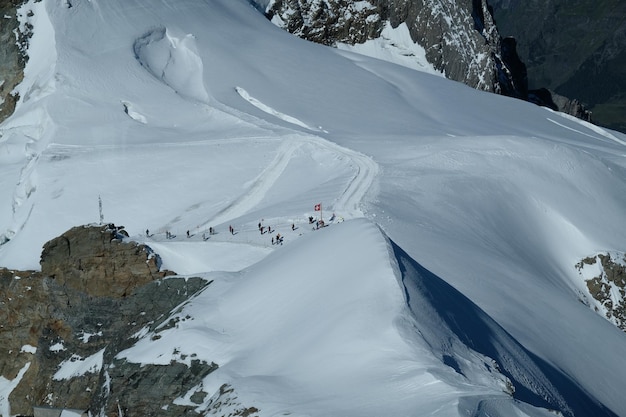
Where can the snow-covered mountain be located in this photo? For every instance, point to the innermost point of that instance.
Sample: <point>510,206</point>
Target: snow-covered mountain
<point>447,280</point>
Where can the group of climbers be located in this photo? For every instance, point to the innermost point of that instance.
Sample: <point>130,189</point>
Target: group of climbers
<point>263,229</point>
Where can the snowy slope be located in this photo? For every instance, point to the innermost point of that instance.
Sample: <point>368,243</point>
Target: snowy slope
<point>465,212</point>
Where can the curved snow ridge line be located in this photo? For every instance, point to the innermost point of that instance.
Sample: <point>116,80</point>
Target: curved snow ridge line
<point>259,187</point>
<point>62,149</point>
<point>597,129</point>
<point>591,127</point>
<point>269,110</point>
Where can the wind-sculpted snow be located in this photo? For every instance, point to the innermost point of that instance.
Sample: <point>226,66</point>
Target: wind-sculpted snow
<point>173,60</point>
<point>130,110</point>
<point>269,110</point>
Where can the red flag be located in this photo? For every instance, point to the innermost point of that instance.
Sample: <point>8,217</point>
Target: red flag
<point>318,207</point>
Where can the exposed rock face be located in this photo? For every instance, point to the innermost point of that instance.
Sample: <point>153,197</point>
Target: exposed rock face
<point>328,22</point>
<point>96,261</point>
<point>136,393</point>
<point>548,98</point>
<point>65,314</point>
<point>459,36</point>
<point>571,106</point>
<point>607,286</point>
<point>12,56</point>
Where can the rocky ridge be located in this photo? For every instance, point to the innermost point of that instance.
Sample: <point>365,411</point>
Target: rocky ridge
<point>94,292</point>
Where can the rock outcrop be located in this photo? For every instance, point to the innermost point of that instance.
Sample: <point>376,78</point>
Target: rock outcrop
<point>557,102</point>
<point>606,285</point>
<point>95,291</point>
<point>96,261</point>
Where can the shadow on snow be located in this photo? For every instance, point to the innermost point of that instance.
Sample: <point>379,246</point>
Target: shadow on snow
<point>450,323</point>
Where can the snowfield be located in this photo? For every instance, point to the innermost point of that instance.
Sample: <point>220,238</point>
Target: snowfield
<point>445,283</point>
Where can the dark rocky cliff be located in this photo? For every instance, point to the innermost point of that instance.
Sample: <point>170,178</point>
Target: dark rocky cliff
<point>576,48</point>
<point>94,292</point>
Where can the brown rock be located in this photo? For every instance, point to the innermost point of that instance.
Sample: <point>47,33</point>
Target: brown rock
<point>93,293</point>
<point>95,260</point>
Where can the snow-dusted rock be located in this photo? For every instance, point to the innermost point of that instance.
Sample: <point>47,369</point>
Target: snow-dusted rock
<point>460,37</point>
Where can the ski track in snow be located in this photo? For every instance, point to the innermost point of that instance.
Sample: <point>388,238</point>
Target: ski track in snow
<point>348,202</point>
<point>366,171</point>
<point>259,186</point>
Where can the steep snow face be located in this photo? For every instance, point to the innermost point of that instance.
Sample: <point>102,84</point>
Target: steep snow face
<point>198,115</point>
